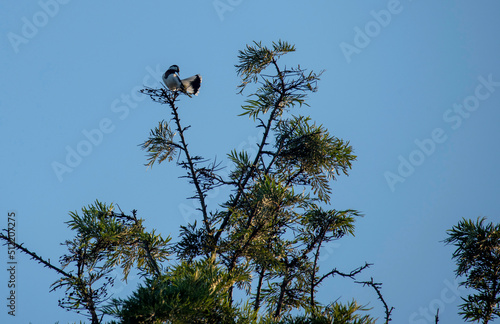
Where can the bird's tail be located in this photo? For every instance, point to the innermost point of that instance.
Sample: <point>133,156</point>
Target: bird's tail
<point>192,84</point>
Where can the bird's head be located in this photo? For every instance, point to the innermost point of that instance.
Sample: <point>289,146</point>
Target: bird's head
<point>174,68</point>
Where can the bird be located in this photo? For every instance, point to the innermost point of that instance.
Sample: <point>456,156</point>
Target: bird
<point>188,86</point>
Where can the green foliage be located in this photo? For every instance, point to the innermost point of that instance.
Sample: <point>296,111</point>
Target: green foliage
<point>329,225</point>
<point>160,145</point>
<point>278,92</point>
<point>308,155</point>
<point>336,313</point>
<point>254,59</point>
<point>104,240</point>
<point>121,239</point>
<point>478,259</point>
<point>190,293</point>
<point>241,163</point>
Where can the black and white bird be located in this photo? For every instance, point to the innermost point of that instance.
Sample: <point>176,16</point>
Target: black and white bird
<point>189,85</point>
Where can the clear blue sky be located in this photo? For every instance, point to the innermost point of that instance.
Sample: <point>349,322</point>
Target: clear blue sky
<point>413,85</point>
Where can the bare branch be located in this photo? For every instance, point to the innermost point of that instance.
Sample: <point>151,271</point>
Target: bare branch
<point>376,286</point>
<point>351,274</point>
<point>36,257</point>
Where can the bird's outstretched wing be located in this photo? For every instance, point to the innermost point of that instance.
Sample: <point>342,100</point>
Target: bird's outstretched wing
<point>192,84</point>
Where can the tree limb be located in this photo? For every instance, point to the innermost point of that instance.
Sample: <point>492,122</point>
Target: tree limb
<point>376,286</point>
<point>35,256</point>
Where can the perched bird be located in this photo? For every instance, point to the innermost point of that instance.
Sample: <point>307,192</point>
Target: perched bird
<point>189,86</point>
